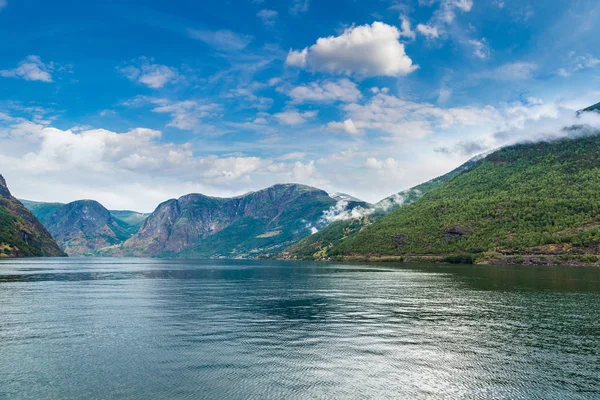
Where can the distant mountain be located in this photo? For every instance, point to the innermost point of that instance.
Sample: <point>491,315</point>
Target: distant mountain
<point>346,197</point>
<point>536,203</point>
<point>83,227</point>
<point>133,220</point>
<point>21,233</point>
<point>347,225</point>
<point>255,224</point>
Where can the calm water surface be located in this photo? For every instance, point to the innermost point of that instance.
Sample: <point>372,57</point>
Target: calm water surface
<point>156,329</point>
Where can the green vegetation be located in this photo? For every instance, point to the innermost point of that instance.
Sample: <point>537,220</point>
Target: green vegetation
<point>130,221</point>
<point>541,198</point>
<point>318,245</point>
<point>21,234</point>
<point>595,107</point>
<point>39,209</point>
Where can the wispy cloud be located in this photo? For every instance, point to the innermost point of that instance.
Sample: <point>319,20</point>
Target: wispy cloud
<point>223,40</point>
<point>268,16</point>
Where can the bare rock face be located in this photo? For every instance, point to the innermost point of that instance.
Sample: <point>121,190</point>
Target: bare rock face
<point>246,226</point>
<point>21,233</point>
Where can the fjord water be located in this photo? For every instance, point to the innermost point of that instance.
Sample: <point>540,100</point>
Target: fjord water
<point>157,329</point>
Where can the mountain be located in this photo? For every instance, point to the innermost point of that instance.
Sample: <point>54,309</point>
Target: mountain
<point>21,233</point>
<point>595,107</point>
<point>255,224</point>
<point>535,203</point>
<point>85,226</point>
<point>317,245</point>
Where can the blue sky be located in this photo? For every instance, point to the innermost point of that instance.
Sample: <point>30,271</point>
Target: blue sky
<point>132,102</point>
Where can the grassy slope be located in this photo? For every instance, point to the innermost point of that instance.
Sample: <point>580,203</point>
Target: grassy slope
<point>542,197</point>
<point>316,246</point>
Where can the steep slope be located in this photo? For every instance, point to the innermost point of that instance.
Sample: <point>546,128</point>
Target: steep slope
<point>84,226</point>
<point>21,234</point>
<point>317,245</point>
<point>133,220</point>
<point>254,224</point>
<point>533,203</point>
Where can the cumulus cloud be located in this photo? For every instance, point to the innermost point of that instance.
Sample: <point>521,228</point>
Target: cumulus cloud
<point>135,169</point>
<point>366,50</point>
<point>224,40</point>
<point>326,92</point>
<point>346,126</point>
<point>294,117</point>
<point>268,16</point>
<point>31,69</point>
<point>154,76</point>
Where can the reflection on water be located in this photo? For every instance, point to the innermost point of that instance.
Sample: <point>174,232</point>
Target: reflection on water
<point>155,329</point>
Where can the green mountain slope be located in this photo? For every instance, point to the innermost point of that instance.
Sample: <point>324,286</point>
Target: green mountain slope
<point>258,223</point>
<point>21,234</point>
<point>317,245</point>
<point>595,107</point>
<point>85,226</point>
<point>132,220</point>
<point>537,203</point>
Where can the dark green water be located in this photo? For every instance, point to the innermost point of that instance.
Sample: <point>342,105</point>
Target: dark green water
<point>156,329</point>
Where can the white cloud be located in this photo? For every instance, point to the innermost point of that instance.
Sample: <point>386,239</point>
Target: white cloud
<point>268,16</point>
<point>431,32</point>
<point>154,76</point>
<point>294,117</point>
<point>480,48</point>
<point>347,126</point>
<point>3,4</point>
<point>224,40</point>
<point>366,50</point>
<point>50,164</point>
<point>31,69</point>
<point>326,92</point>
<point>406,31</point>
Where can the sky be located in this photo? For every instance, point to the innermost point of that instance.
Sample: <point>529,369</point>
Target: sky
<point>132,103</point>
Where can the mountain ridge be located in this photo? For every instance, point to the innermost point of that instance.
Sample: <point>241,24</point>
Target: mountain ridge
<point>532,203</point>
<point>21,233</point>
